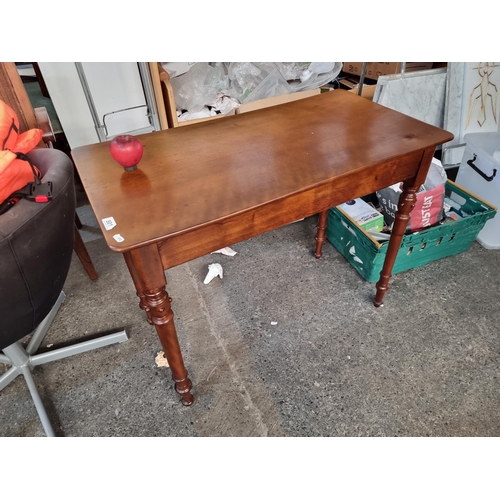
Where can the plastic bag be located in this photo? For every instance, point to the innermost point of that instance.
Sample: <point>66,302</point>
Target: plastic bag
<point>429,208</point>
<point>253,81</point>
<point>176,68</point>
<point>309,75</point>
<point>198,84</point>
<point>198,87</point>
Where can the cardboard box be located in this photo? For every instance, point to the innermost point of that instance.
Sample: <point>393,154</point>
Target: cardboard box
<point>273,101</point>
<point>367,91</point>
<point>364,214</point>
<point>376,69</point>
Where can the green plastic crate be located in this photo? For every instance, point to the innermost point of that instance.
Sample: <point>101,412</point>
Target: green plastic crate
<point>367,255</point>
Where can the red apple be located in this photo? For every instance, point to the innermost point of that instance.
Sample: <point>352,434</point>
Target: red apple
<point>126,150</point>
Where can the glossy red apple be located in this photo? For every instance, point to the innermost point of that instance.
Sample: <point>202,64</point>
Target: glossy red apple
<point>126,150</point>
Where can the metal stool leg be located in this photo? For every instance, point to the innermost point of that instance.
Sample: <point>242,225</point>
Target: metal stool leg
<point>8,377</point>
<point>23,361</point>
<point>44,418</point>
<point>21,365</point>
<point>43,327</point>
<point>71,350</point>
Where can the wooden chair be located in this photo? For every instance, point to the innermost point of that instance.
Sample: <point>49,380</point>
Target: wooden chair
<point>13,92</point>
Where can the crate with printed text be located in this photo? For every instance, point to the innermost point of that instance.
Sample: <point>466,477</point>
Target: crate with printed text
<point>468,216</point>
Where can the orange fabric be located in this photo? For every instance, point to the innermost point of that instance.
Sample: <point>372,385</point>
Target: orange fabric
<point>14,173</point>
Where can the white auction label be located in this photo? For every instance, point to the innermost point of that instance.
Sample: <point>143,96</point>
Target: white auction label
<point>109,223</point>
<point>119,238</point>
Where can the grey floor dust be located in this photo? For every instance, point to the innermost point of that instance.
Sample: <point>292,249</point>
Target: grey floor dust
<point>283,345</point>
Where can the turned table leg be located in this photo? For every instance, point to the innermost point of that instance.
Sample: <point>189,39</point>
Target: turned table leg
<point>148,275</point>
<point>320,234</point>
<point>407,201</point>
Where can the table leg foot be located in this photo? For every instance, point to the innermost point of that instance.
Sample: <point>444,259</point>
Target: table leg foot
<point>320,234</point>
<point>382,287</point>
<point>183,388</point>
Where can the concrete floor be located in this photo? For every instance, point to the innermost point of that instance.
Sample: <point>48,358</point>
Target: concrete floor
<point>426,364</point>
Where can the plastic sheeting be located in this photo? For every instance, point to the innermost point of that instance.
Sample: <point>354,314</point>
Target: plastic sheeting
<point>200,86</point>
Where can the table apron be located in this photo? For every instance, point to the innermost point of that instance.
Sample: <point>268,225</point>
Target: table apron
<point>183,247</point>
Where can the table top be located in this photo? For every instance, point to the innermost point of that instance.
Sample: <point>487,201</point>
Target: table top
<point>203,173</point>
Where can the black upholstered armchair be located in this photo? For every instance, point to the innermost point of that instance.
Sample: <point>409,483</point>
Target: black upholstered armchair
<point>36,247</point>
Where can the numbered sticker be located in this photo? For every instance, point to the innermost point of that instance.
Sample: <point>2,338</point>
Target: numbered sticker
<point>109,223</point>
<point>119,238</point>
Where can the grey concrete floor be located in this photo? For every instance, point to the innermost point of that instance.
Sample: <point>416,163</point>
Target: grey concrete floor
<point>283,345</point>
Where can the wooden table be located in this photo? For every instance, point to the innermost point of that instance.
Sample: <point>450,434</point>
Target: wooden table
<point>207,186</point>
